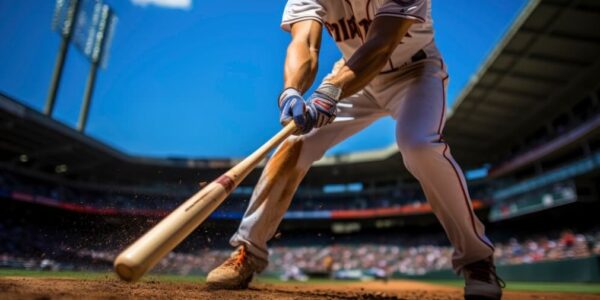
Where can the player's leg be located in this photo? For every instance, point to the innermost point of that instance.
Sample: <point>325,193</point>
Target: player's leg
<point>278,183</point>
<point>420,119</point>
<point>284,171</point>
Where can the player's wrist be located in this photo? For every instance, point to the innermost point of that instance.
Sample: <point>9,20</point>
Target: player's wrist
<point>287,93</point>
<point>330,90</point>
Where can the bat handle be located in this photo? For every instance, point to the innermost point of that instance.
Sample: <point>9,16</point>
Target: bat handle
<point>289,128</point>
<point>239,171</point>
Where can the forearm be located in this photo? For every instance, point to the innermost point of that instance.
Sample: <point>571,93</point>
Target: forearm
<point>301,66</point>
<point>302,55</point>
<point>384,36</point>
<point>361,68</point>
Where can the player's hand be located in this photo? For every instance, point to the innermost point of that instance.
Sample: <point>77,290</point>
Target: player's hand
<point>322,105</point>
<point>293,107</point>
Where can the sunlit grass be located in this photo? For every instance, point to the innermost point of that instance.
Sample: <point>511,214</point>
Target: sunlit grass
<point>566,287</point>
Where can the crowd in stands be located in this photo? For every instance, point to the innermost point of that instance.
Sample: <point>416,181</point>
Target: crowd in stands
<point>548,196</point>
<point>568,245</point>
<point>420,259</point>
<point>38,248</point>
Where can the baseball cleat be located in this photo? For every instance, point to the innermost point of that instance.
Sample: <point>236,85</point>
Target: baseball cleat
<point>481,281</point>
<point>237,271</point>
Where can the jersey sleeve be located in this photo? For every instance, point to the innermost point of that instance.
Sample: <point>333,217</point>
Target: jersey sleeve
<point>409,9</point>
<point>300,10</point>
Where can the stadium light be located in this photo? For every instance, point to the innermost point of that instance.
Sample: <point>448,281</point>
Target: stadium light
<point>89,25</point>
<point>65,12</point>
<point>61,169</point>
<point>94,39</point>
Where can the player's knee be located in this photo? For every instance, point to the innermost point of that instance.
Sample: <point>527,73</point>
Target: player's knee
<point>415,154</point>
<point>410,144</point>
<point>417,147</point>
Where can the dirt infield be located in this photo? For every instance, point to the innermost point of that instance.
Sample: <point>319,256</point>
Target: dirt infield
<point>55,288</point>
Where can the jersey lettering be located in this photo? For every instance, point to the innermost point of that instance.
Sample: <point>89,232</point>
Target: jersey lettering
<point>349,21</point>
<point>350,29</point>
<point>365,23</point>
<point>345,29</point>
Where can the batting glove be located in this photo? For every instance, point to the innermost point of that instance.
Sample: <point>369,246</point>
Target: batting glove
<point>293,107</point>
<point>322,105</point>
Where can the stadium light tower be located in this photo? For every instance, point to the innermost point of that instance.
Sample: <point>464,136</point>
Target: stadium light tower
<point>65,12</point>
<point>89,25</point>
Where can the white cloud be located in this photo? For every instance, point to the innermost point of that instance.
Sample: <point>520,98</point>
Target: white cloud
<point>176,4</point>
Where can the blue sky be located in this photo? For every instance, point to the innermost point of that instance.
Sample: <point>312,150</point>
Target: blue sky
<point>201,78</point>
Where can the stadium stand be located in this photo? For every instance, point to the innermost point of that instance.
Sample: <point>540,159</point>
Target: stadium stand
<point>530,118</point>
<point>38,247</point>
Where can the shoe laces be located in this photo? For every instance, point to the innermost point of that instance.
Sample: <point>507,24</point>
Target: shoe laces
<point>238,258</point>
<point>485,270</point>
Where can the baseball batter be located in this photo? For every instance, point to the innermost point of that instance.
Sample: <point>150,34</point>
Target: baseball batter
<point>390,67</point>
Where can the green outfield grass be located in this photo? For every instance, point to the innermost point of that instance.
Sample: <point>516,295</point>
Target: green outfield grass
<point>84,275</point>
<point>511,286</point>
<point>567,287</point>
<point>66,274</point>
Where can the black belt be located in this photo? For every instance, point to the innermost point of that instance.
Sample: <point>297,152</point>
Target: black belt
<point>420,55</point>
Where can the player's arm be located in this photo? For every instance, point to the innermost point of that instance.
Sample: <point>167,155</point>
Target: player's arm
<point>302,58</point>
<point>385,34</point>
<point>300,70</point>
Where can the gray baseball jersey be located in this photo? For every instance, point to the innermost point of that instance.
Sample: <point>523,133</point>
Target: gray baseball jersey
<point>348,21</point>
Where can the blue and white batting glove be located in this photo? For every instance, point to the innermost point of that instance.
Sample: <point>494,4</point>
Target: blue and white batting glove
<point>293,107</point>
<point>322,105</point>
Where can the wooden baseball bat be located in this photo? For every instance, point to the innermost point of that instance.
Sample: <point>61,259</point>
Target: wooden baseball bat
<point>148,250</point>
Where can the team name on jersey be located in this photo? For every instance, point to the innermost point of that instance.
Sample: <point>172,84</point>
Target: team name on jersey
<point>348,29</point>
<point>345,29</point>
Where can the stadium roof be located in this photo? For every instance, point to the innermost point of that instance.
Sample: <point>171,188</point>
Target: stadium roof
<point>39,143</point>
<point>549,56</point>
<point>32,141</point>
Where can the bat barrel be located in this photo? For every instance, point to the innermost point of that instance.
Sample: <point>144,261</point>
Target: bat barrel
<point>147,251</point>
<point>128,269</point>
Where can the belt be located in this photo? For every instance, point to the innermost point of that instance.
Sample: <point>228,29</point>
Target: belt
<point>420,55</point>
